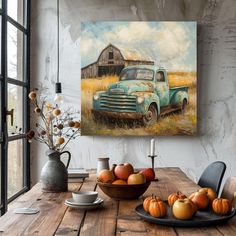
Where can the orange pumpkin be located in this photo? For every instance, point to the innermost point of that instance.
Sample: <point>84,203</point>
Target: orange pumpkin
<point>221,206</point>
<point>148,200</point>
<point>175,196</point>
<point>157,208</point>
<point>146,203</point>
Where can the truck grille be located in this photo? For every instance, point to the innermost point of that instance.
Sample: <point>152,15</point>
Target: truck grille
<point>118,103</point>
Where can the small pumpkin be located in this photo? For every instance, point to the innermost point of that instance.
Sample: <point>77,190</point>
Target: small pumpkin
<point>221,206</point>
<point>175,196</point>
<point>157,208</point>
<point>146,203</point>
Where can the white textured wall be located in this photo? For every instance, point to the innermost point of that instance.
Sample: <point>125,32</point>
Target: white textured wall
<point>216,79</point>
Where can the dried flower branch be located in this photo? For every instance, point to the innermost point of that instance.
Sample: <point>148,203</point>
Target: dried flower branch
<point>57,128</point>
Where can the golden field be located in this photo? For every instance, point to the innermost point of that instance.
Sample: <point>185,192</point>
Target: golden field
<point>171,124</point>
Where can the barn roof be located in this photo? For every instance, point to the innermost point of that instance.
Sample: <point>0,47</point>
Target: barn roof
<point>134,55</point>
<point>130,54</point>
<point>127,54</point>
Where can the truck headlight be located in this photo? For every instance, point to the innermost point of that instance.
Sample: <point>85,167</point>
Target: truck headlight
<point>96,96</point>
<point>140,100</point>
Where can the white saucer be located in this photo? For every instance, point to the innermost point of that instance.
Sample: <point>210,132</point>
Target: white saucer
<point>71,203</point>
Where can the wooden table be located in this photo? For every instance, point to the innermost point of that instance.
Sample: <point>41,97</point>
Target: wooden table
<point>114,218</point>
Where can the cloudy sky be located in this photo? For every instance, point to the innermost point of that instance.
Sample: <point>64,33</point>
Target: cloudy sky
<point>171,45</point>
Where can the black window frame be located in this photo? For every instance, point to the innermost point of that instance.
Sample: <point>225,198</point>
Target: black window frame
<point>25,84</point>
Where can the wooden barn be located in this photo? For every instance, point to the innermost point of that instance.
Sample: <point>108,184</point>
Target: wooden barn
<point>112,60</point>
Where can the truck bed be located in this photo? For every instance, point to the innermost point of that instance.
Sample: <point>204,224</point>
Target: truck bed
<point>174,90</point>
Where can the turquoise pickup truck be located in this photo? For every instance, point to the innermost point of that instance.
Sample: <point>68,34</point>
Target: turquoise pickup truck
<point>142,93</point>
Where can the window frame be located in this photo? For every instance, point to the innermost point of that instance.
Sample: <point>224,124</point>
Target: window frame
<point>163,78</point>
<point>25,85</point>
<point>110,55</point>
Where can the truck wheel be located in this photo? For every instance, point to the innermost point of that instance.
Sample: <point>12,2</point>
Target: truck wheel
<point>183,106</point>
<point>151,117</point>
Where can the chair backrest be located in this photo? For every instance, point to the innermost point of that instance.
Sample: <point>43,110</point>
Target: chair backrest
<point>212,176</point>
<point>229,189</point>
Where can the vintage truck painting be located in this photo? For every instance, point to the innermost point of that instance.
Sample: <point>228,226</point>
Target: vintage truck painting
<point>142,94</point>
<point>138,78</point>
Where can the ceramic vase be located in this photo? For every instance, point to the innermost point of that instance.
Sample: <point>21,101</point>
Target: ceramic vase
<point>54,175</point>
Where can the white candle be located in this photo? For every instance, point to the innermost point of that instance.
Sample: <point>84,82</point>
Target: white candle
<point>152,147</point>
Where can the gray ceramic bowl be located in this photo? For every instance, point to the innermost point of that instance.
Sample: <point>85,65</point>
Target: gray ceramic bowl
<point>84,196</point>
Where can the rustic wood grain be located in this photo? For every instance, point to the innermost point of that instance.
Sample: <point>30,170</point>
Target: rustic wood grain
<point>113,218</point>
<point>206,231</point>
<point>101,221</point>
<point>162,189</point>
<point>128,223</point>
<point>52,210</point>
<point>128,233</point>
<point>172,179</point>
<point>229,228</point>
<point>51,206</point>
<point>176,180</point>
<point>72,220</point>
<point>14,224</point>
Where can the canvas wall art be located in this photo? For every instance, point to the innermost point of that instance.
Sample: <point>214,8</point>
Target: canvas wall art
<point>138,78</point>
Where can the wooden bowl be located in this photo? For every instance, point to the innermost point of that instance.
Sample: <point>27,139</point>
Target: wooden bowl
<point>123,192</point>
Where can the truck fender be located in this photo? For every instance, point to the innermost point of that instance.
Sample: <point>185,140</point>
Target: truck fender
<point>151,98</point>
<point>178,97</point>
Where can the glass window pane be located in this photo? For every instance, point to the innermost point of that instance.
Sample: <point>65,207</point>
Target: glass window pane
<point>0,44</point>
<point>1,87</point>
<point>15,102</point>
<point>0,176</point>
<point>15,167</point>
<point>15,52</point>
<point>15,9</point>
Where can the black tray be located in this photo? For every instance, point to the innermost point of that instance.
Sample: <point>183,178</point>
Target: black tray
<point>202,218</point>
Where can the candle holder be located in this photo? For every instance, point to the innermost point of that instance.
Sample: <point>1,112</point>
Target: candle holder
<point>152,159</point>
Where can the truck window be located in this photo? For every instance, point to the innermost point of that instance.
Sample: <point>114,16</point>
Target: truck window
<point>160,76</point>
<point>137,74</point>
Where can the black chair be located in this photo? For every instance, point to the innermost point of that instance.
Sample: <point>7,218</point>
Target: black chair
<point>212,176</point>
